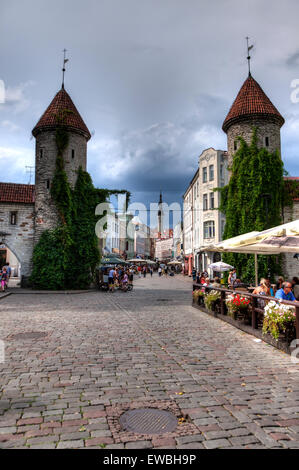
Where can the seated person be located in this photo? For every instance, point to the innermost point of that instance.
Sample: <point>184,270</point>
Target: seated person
<point>285,293</point>
<point>216,282</point>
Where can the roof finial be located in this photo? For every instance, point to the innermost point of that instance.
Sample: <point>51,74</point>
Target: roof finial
<point>248,56</point>
<point>63,67</point>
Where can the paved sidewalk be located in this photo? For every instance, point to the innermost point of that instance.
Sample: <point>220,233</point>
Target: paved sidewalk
<point>106,353</point>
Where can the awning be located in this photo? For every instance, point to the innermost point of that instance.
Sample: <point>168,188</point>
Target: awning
<point>281,239</point>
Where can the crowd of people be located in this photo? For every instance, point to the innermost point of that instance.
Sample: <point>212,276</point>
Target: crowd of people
<point>284,290</point>
<point>5,274</point>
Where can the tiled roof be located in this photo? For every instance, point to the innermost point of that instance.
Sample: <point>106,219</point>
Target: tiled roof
<point>19,193</point>
<point>61,106</point>
<point>251,101</point>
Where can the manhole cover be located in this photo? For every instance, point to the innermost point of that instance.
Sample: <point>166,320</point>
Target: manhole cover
<point>31,335</point>
<point>148,421</point>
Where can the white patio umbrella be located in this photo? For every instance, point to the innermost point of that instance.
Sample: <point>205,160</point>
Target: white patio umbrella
<point>281,239</point>
<point>149,261</point>
<point>220,266</point>
<point>174,262</point>
<point>136,260</point>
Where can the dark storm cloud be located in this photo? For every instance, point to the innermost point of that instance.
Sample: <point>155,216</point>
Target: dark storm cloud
<point>153,79</point>
<point>293,60</point>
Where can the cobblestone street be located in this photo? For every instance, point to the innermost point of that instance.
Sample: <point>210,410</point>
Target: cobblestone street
<point>106,353</point>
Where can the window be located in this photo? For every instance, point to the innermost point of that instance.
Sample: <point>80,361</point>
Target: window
<point>41,153</point>
<point>13,218</point>
<point>211,200</point>
<point>73,153</point>
<point>267,141</point>
<point>205,202</point>
<point>211,172</point>
<point>235,145</point>
<point>221,171</point>
<point>209,229</point>
<point>204,175</point>
<point>222,227</point>
<point>48,184</point>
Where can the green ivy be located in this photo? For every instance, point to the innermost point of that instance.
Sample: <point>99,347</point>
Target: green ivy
<point>66,257</point>
<point>255,172</point>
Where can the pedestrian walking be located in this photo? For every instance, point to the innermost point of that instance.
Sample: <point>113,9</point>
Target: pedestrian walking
<point>3,279</point>
<point>151,272</point>
<point>160,271</point>
<point>111,279</point>
<point>139,271</point>
<point>144,271</point>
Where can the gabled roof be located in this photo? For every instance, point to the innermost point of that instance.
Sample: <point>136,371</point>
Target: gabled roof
<point>18,193</point>
<point>251,101</point>
<point>62,107</point>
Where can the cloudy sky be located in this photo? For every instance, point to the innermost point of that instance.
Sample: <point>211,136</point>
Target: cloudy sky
<point>153,80</point>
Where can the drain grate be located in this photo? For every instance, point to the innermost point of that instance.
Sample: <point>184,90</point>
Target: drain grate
<point>148,421</point>
<point>163,300</point>
<point>31,335</point>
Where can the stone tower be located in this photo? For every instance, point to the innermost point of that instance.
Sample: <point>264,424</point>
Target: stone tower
<point>160,216</point>
<point>75,155</point>
<point>251,108</point>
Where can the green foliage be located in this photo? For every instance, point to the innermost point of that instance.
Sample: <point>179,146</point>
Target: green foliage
<point>49,261</point>
<point>66,257</point>
<point>85,252</point>
<point>255,172</point>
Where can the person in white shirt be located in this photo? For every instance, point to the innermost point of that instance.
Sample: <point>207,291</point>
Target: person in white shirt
<point>111,277</point>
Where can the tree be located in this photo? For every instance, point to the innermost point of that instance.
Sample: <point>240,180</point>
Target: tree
<point>252,200</point>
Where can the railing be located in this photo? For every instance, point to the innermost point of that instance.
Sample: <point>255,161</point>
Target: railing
<point>254,303</point>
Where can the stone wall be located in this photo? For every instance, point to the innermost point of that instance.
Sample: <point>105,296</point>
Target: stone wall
<point>244,129</point>
<point>45,160</point>
<point>20,237</point>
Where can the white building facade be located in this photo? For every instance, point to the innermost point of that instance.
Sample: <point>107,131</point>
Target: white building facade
<point>203,222</point>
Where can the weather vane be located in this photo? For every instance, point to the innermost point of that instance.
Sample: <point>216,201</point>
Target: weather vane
<point>248,56</point>
<point>63,68</point>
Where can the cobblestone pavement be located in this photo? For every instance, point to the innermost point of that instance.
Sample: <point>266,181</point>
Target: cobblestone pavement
<point>107,353</point>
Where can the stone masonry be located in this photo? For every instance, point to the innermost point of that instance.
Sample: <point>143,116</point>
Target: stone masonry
<point>19,237</point>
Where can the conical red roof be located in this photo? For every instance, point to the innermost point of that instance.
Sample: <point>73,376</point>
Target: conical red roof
<point>251,101</point>
<point>61,105</point>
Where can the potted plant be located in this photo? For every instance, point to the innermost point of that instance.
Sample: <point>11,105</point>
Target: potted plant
<point>211,299</point>
<point>237,304</point>
<point>279,319</point>
<point>198,296</point>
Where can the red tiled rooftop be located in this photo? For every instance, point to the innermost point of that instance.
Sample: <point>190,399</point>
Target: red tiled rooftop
<point>251,101</point>
<point>292,189</point>
<point>62,105</point>
<point>19,193</point>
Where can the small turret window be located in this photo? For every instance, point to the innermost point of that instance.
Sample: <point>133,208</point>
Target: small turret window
<point>13,218</point>
<point>267,141</point>
<point>48,184</point>
<point>41,153</point>
<point>235,145</point>
<point>73,153</point>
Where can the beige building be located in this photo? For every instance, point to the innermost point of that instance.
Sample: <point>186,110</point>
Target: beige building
<point>203,223</point>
